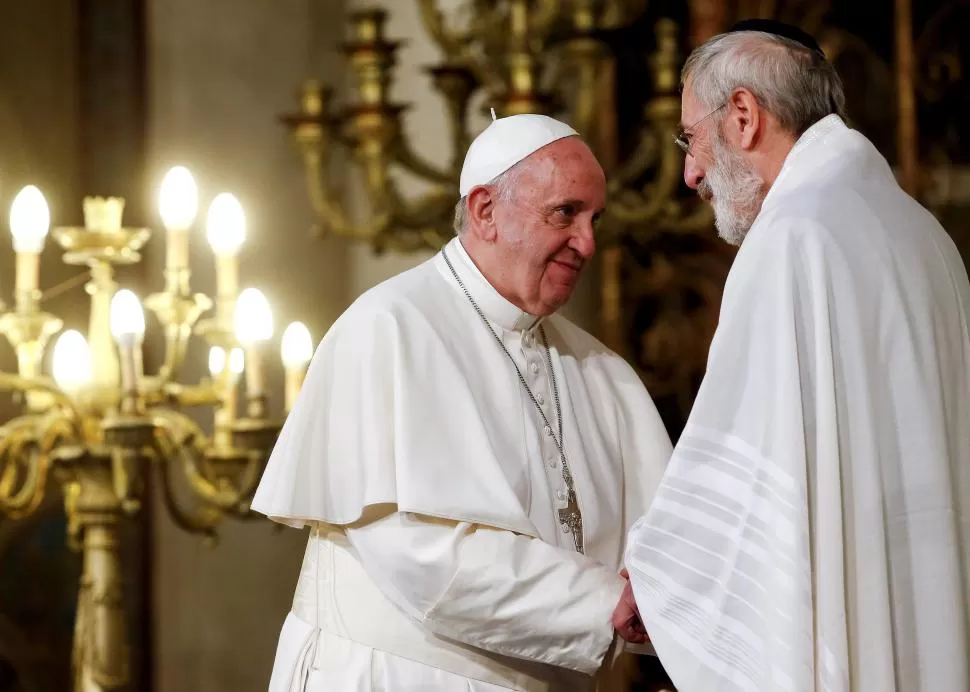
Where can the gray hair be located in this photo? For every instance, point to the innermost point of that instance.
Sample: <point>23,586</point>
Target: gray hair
<point>502,185</point>
<point>795,84</point>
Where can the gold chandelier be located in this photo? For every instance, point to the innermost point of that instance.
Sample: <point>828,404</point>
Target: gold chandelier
<point>99,425</point>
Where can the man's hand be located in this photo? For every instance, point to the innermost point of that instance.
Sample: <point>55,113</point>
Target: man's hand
<point>626,617</point>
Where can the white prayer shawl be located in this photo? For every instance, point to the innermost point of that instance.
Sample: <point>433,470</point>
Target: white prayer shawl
<point>811,531</point>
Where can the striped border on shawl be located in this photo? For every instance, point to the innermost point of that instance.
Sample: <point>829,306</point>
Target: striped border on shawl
<point>723,561</point>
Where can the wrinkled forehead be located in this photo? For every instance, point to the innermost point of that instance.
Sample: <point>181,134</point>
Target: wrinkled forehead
<point>565,167</point>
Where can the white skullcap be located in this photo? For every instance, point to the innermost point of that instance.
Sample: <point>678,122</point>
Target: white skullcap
<point>504,143</point>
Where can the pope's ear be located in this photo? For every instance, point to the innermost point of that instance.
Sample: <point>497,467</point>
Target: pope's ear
<point>481,213</point>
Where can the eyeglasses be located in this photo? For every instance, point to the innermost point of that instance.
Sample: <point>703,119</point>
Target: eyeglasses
<point>683,139</point>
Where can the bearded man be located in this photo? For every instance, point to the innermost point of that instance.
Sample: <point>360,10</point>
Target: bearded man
<point>468,461</point>
<point>811,531</point>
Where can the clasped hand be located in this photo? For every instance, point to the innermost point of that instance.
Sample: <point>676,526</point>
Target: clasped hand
<point>626,616</point>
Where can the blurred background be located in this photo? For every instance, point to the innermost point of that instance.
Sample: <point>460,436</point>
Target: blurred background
<point>339,127</point>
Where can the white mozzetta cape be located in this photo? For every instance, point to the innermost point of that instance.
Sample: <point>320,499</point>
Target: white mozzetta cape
<point>811,530</point>
<point>409,401</point>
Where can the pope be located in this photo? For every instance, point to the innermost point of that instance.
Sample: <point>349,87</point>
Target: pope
<point>467,460</point>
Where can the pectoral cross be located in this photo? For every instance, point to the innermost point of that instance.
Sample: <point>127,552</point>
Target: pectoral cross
<point>571,519</point>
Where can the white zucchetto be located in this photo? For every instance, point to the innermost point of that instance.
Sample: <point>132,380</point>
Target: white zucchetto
<point>504,143</point>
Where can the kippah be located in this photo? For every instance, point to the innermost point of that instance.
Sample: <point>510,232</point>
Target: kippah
<point>771,26</point>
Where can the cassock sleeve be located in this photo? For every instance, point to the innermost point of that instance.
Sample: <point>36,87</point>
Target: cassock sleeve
<point>721,563</point>
<point>496,590</point>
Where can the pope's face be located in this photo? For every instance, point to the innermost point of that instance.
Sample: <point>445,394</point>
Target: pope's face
<point>545,233</point>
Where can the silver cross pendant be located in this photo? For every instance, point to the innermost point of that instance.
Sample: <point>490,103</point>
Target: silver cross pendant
<point>572,520</point>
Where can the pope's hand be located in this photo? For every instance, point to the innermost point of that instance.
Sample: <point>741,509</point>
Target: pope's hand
<point>626,617</point>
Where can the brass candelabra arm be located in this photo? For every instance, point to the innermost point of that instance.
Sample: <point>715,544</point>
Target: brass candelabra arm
<point>582,72</point>
<point>324,197</point>
<point>471,48</point>
<point>412,240</point>
<point>392,217</point>
<point>255,434</point>
<point>404,155</point>
<point>15,383</point>
<point>457,83</point>
<point>224,478</point>
<point>127,441</point>
<point>201,520</point>
<point>179,315</point>
<point>629,206</point>
<point>159,393</point>
<point>657,205</point>
<point>237,474</point>
<point>700,219</point>
<point>28,330</point>
<point>26,444</point>
<point>656,154</point>
<point>313,129</point>
<point>435,206</point>
<point>451,44</point>
<point>646,154</point>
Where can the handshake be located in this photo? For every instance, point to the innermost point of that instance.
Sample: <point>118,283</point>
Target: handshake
<point>626,616</point>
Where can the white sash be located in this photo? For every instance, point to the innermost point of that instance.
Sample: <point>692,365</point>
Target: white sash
<point>338,599</point>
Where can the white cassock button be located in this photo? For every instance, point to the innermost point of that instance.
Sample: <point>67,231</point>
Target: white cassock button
<point>552,463</point>
<point>561,494</point>
<point>534,368</point>
<point>565,528</point>
<point>540,399</point>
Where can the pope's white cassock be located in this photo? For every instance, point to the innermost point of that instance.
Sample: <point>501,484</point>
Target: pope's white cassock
<point>811,532</point>
<point>432,487</point>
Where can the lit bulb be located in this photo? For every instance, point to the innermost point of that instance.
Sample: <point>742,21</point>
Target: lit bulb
<point>296,346</point>
<point>254,319</point>
<point>30,219</point>
<point>127,316</point>
<point>226,224</point>
<point>178,199</point>
<point>237,361</point>
<point>71,361</point>
<point>217,360</point>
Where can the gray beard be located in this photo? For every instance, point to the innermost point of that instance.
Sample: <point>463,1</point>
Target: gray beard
<point>736,191</point>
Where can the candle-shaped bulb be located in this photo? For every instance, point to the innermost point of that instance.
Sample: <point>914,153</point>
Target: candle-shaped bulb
<point>217,360</point>
<point>237,361</point>
<point>30,219</point>
<point>296,346</point>
<point>178,199</point>
<point>253,318</point>
<point>127,317</point>
<point>254,327</point>
<point>226,224</point>
<point>128,328</point>
<point>71,361</point>
<point>297,350</point>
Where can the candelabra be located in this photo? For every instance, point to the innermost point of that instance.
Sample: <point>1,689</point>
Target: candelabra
<point>509,49</point>
<point>99,426</point>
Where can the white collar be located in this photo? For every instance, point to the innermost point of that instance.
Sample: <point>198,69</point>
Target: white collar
<point>496,308</point>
